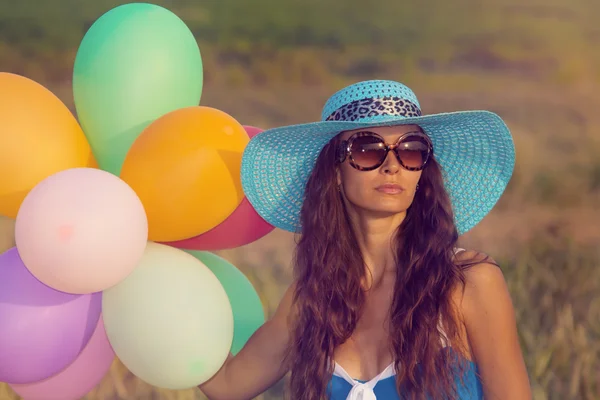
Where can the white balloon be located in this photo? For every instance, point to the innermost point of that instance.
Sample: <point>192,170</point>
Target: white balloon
<point>170,322</point>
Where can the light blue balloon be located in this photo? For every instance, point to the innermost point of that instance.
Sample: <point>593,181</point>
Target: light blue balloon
<point>136,63</point>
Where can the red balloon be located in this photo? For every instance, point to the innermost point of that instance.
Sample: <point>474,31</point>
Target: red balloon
<point>242,227</point>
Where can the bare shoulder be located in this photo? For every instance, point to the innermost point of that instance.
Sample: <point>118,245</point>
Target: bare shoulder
<point>483,277</point>
<point>489,318</point>
<point>484,282</point>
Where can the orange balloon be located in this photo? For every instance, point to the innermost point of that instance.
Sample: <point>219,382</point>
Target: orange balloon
<point>185,167</point>
<point>38,137</point>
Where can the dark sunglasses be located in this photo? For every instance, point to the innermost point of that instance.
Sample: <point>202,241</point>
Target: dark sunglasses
<point>367,151</point>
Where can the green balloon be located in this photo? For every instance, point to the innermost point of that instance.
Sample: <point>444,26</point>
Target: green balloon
<point>135,64</point>
<point>248,312</point>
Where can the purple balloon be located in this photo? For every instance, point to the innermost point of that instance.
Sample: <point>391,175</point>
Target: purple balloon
<point>42,331</point>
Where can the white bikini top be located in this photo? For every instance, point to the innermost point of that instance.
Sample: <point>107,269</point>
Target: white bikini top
<point>364,390</point>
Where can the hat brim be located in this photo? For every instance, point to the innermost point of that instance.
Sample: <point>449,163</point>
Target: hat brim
<point>474,148</point>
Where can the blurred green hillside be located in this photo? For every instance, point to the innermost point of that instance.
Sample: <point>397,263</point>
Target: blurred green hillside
<point>535,62</point>
<point>307,41</point>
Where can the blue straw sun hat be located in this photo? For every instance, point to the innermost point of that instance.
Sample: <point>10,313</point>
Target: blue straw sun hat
<point>474,148</point>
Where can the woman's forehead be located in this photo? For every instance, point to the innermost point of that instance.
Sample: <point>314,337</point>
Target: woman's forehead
<point>387,132</point>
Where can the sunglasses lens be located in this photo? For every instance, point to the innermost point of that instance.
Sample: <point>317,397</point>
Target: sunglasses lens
<point>368,151</point>
<point>413,151</point>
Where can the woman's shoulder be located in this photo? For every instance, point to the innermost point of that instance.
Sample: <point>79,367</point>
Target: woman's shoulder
<point>472,258</point>
<point>491,328</point>
<point>476,265</point>
<point>484,284</point>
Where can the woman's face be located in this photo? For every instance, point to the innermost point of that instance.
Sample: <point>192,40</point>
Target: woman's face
<point>386,190</point>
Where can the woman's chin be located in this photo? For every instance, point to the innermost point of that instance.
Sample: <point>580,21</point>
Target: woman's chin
<point>383,211</point>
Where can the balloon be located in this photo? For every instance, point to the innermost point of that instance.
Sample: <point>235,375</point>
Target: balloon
<point>170,321</point>
<point>252,130</point>
<point>136,63</point>
<point>38,137</point>
<point>81,230</point>
<point>242,227</point>
<point>80,377</point>
<point>248,312</point>
<point>42,331</point>
<point>186,169</point>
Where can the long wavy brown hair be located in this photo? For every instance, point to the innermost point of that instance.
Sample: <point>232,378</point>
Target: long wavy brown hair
<point>328,271</point>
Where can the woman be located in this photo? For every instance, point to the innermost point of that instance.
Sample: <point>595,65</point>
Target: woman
<point>383,304</point>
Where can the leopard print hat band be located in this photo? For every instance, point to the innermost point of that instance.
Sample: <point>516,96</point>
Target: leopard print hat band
<point>371,107</point>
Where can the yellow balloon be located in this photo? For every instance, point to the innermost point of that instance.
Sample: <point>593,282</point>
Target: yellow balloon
<point>38,137</point>
<point>185,167</point>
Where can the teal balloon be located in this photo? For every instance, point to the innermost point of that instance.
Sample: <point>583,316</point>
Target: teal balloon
<point>248,312</point>
<point>135,64</point>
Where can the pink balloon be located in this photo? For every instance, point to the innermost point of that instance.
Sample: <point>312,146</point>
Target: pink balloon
<point>77,379</point>
<point>242,227</point>
<point>252,130</point>
<point>81,230</point>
